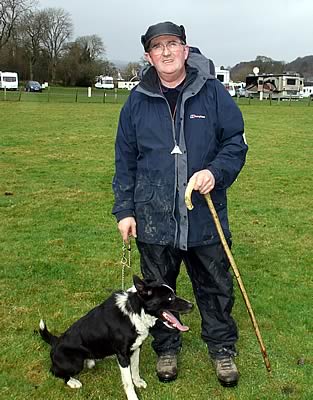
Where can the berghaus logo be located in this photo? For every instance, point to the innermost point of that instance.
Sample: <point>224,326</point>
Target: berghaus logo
<point>197,116</point>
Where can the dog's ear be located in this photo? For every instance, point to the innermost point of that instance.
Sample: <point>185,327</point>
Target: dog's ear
<point>141,286</point>
<point>139,283</point>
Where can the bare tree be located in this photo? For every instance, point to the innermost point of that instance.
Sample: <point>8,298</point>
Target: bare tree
<point>32,30</point>
<point>131,70</point>
<point>92,47</point>
<point>10,13</point>
<point>82,61</point>
<point>106,67</point>
<point>58,29</point>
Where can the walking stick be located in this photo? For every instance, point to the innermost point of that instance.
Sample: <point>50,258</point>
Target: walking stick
<point>209,201</point>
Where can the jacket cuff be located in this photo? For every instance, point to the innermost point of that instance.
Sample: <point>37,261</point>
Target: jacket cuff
<point>124,214</point>
<point>217,175</point>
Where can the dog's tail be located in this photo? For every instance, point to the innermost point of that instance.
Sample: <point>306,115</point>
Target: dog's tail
<point>46,335</point>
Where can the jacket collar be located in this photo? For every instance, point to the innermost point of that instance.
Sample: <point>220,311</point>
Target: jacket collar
<point>150,81</point>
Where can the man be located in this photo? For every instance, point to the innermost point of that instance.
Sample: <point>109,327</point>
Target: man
<point>177,123</point>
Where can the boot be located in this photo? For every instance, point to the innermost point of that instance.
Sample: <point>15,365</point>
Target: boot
<point>225,368</point>
<point>167,367</point>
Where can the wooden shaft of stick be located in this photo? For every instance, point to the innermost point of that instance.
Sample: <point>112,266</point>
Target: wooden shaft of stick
<point>239,280</point>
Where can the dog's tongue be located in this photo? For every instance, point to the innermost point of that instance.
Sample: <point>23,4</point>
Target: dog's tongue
<point>174,321</point>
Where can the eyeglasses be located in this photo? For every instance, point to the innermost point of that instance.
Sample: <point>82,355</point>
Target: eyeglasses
<point>158,48</point>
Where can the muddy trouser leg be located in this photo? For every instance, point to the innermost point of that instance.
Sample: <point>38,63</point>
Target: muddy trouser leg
<point>161,263</point>
<point>208,269</point>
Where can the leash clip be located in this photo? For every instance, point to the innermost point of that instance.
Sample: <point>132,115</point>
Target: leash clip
<point>125,261</point>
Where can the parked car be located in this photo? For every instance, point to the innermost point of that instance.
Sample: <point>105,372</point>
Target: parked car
<point>33,86</point>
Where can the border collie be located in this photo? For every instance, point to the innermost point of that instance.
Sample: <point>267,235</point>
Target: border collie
<point>118,326</point>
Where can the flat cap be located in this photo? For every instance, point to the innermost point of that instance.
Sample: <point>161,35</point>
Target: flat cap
<point>162,28</point>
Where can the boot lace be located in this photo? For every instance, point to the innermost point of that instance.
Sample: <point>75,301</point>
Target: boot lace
<point>166,360</point>
<point>226,362</point>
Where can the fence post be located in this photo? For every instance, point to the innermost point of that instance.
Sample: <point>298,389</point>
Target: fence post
<point>20,95</point>
<point>5,94</point>
<point>76,97</point>
<point>104,95</point>
<point>48,94</point>
<point>310,99</point>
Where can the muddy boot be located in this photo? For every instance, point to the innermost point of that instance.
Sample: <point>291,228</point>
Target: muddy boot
<point>225,368</point>
<point>167,367</point>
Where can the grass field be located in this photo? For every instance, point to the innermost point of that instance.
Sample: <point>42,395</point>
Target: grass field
<point>60,252</point>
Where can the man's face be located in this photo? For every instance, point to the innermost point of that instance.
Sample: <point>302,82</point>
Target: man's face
<point>167,54</point>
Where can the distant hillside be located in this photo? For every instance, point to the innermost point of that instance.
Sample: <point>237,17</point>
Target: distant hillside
<point>302,65</point>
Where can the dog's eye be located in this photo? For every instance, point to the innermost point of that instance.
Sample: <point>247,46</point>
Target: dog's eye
<point>170,298</point>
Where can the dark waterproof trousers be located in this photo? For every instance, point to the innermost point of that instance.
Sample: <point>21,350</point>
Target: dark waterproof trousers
<point>208,269</point>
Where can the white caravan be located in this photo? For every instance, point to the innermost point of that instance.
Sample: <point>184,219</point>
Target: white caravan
<point>104,82</point>
<point>307,91</point>
<point>278,86</point>
<point>223,75</point>
<point>127,84</point>
<point>8,80</point>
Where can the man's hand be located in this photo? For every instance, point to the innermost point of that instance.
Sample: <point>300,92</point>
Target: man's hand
<point>127,227</point>
<point>204,181</point>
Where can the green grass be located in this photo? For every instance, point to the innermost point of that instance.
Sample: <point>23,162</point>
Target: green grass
<point>60,252</point>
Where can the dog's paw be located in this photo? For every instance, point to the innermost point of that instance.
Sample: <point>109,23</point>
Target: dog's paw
<point>74,383</point>
<point>90,363</point>
<point>42,325</point>
<point>140,383</point>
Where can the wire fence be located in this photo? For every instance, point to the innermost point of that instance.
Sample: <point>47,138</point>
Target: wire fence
<point>276,101</point>
<point>118,96</point>
<point>66,95</point>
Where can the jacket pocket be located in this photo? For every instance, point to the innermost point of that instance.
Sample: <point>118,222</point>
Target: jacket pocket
<point>143,193</point>
<point>153,212</point>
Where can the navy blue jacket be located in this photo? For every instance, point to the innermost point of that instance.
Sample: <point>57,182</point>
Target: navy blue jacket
<point>150,182</point>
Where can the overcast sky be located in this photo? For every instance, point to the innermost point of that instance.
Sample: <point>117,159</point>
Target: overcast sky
<point>227,31</point>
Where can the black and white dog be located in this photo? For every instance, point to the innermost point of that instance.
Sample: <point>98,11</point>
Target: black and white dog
<point>117,326</point>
